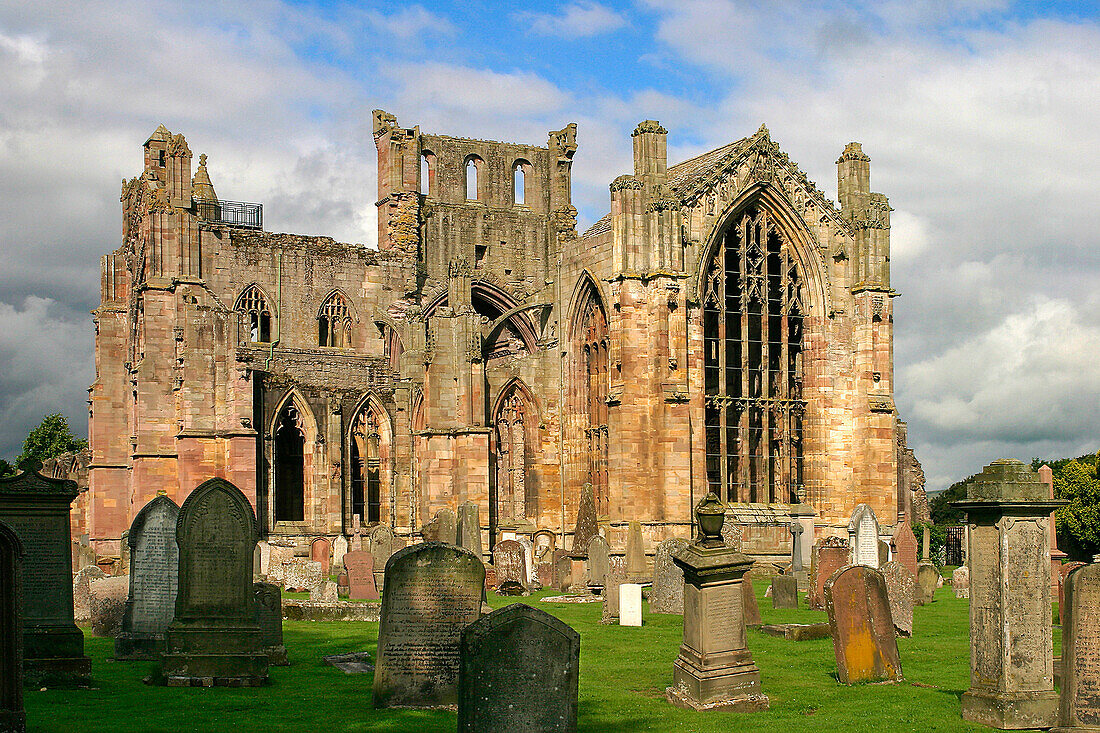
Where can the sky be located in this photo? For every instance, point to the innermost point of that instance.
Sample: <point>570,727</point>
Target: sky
<point>981,117</point>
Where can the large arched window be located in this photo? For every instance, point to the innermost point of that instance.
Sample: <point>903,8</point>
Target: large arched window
<point>514,420</point>
<point>334,322</point>
<point>591,380</point>
<point>253,304</point>
<point>753,314</point>
<point>370,449</point>
<point>289,465</point>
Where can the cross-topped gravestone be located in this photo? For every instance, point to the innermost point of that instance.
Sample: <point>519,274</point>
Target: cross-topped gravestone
<point>154,576</point>
<point>12,716</point>
<point>863,536</point>
<point>519,672</point>
<point>864,639</point>
<point>37,508</point>
<point>214,639</point>
<point>796,546</point>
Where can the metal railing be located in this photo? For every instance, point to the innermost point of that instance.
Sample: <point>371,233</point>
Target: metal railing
<point>235,213</point>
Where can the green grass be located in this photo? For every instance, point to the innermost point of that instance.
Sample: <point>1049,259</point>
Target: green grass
<point>624,672</point>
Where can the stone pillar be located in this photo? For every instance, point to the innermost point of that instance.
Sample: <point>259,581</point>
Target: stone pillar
<point>1011,649</point>
<point>714,670</point>
<point>1056,555</point>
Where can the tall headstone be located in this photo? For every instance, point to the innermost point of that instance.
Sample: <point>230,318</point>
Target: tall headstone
<point>714,670</point>
<point>1080,701</point>
<point>928,579</point>
<point>905,546</point>
<point>443,527</point>
<point>630,604</point>
<point>124,552</point>
<point>320,550</point>
<point>749,607</point>
<point>268,609</point>
<point>356,532</point>
<point>863,536</point>
<point>432,592</point>
<point>926,549</point>
<point>528,560</point>
<point>1011,648</point>
<point>13,719</point>
<point>864,638</point>
<point>599,555</point>
<point>339,549</point>
<point>667,593</point>
<point>545,543</point>
<point>1063,572</point>
<point>381,543</point>
<point>796,546</point>
<point>784,592</point>
<point>612,584</point>
<point>586,527</point>
<point>562,570</point>
<point>635,552</point>
<point>900,590</point>
<point>469,527</point>
<point>214,639</point>
<point>510,563</point>
<point>107,598</point>
<point>82,592</point>
<point>359,566</point>
<point>154,576</point>
<point>519,673</point>
<point>832,555</point>
<point>37,508</point>
<point>1046,475</point>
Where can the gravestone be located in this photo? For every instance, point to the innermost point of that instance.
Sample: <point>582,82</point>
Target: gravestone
<point>900,590</point>
<point>432,592</point>
<point>124,553</point>
<point>926,553</point>
<point>1080,700</point>
<point>731,532</point>
<point>82,610</point>
<point>443,527</point>
<point>1063,572</point>
<point>154,575</point>
<point>469,527</point>
<point>749,607</point>
<point>1011,646</point>
<point>528,560</point>
<point>359,566</point>
<point>599,557</point>
<point>883,552</point>
<point>864,638</point>
<point>545,543</point>
<point>339,549</point>
<point>320,550</point>
<point>667,593</point>
<point>381,543</point>
<point>301,575</point>
<point>214,639</point>
<point>784,592</point>
<point>356,533</point>
<point>832,555</point>
<point>519,673</point>
<point>796,546</point>
<point>928,579</point>
<point>863,537</point>
<point>586,527</point>
<point>544,573</point>
<point>36,508</point>
<point>905,546</point>
<point>714,669</point>
<point>630,604</point>
<point>13,719</point>
<point>264,550</point>
<point>635,552</point>
<point>268,609</point>
<point>563,570</point>
<point>107,598</point>
<point>510,563</point>
<point>616,576</point>
<point>960,582</point>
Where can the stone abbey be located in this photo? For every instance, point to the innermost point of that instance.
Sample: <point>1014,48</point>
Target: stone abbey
<point>724,328</point>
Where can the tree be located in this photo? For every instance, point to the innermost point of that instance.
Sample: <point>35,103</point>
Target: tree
<point>6,469</point>
<point>51,438</point>
<point>1078,523</point>
<point>940,508</point>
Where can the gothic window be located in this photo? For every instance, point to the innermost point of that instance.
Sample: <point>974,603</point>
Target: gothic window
<point>334,323</point>
<point>753,315</point>
<point>519,182</point>
<point>473,178</point>
<point>253,304</point>
<point>369,453</point>
<point>427,173</point>
<point>592,379</point>
<point>513,422</point>
<point>289,457</point>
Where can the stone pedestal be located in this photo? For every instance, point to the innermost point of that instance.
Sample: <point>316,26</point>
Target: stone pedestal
<point>714,670</point>
<point>1011,649</point>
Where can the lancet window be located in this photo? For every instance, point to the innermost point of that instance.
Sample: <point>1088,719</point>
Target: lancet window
<point>593,380</point>
<point>366,465</point>
<point>334,323</point>
<point>254,305</point>
<point>513,420</point>
<point>289,465</point>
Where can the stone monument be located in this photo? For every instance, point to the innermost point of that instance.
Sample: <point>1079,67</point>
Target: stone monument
<point>1080,700</point>
<point>381,543</point>
<point>960,582</point>
<point>154,575</point>
<point>13,719</point>
<point>443,527</point>
<point>268,598</point>
<point>214,639</point>
<point>1011,649</point>
<point>583,533</point>
<point>36,508</point>
<point>928,579</point>
<point>599,557</point>
<point>359,566</point>
<point>863,536</point>
<point>667,593</point>
<point>714,670</point>
<point>784,592</point>
<point>339,549</point>
<point>432,592</point>
<point>864,638</point>
<point>798,570</point>
<point>832,554</point>
<point>750,609</point>
<point>635,553</point>
<point>905,546</point>
<point>900,590</point>
<point>1046,475</point>
<point>469,527</point>
<point>630,604</point>
<point>612,584</point>
<point>510,563</point>
<point>519,673</point>
<point>320,550</point>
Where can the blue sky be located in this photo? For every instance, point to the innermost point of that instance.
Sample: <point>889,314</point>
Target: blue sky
<point>982,119</point>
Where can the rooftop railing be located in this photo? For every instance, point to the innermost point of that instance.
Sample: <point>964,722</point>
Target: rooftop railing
<point>234,213</point>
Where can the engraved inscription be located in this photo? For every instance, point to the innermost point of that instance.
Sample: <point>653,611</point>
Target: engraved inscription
<point>47,568</point>
<point>723,608</point>
<point>219,557</point>
<point>1086,647</point>
<point>154,567</point>
<point>1027,606</point>
<point>867,541</point>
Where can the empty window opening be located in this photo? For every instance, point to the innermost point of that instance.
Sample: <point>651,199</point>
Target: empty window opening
<point>289,466</point>
<point>427,174</point>
<point>367,451</point>
<point>473,178</point>
<point>334,323</point>
<point>519,182</point>
<point>480,251</point>
<point>253,304</point>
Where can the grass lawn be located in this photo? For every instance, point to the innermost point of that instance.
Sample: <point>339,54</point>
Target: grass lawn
<point>624,672</point>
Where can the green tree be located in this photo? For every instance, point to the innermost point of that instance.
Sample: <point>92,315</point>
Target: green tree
<point>1078,523</point>
<point>51,438</point>
<point>6,469</point>
<point>943,513</point>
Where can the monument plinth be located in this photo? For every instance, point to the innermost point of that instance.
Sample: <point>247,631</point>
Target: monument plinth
<point>714,670</point>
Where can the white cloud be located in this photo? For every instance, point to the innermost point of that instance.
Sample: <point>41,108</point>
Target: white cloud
<point>579,20</point>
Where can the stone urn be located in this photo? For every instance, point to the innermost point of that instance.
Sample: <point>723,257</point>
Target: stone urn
<point>711,514</point>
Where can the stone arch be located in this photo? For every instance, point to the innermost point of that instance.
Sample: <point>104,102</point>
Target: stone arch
<point>588,368</point>
<point>370,450</point>
<point>513,496</point>
<point>255,303</point>
<point>336,317</point>
<point>295,454</point>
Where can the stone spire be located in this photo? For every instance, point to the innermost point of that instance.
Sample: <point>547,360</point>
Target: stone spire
<point>201,187</point>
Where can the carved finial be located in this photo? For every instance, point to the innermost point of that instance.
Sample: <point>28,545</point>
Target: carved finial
<point>763,130</point>
<point>649,126</point>
<point>202,160</point>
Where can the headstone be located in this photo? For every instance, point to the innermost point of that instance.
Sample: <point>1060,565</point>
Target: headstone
<point>301,575</point>
<point>616,576</point>
<point>864,638</point>
<point>901,591</point>
<point>927,582</point>
<point>905,546</point>
<point>1063,572</point>
<point>667,593</point>
<point>749,607</point>
<point>731,532</point>
<point>491,580</point>
<point>214,639</point>
<point>510,563</point>
<point>528,560</point>
<point>832,555</point>
<point>381,543</point>
<point>1080,701</point>
<point>926,553</point>
<point>268,610</point>
<point>545,574</point>
<point>356,533</point>
<point>265,557</point>
<point>883,553</point>
<point>443,527</point>
<point>339,549</point>
<point>1046,475</point>
<point>359,565</point>
<point>320,550</point>
<point>714,669</point>
<point>784,592</point>
<point>13,718</point>
<point>545,543</point>
<point>863,536</point>
<point>635,552</point>
<point>630,604</point>
<point>804,515</point>
<point>154,574</point>
<point>586,527</point>
<point>327,593</point>
<point>1011,647</point>
<point>469,527</point>
<point>82,610</point>
<point>37,508</point>
<point>107,598</point>
<point>960,582</point>
<point>796,546</point>
<point>432,592</point>
<point>563,570</point>
<point>519,673</point>
<point>599,555</point>
<point>124,552</point>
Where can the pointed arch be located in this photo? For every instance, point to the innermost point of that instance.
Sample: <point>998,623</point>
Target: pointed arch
<point>294,433</point>
<point>588,349</point>
<point>371,449</point>
<point>513,497</point>
<point>334,320</point>
<point>254,304</point>
<point>510,320</point>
